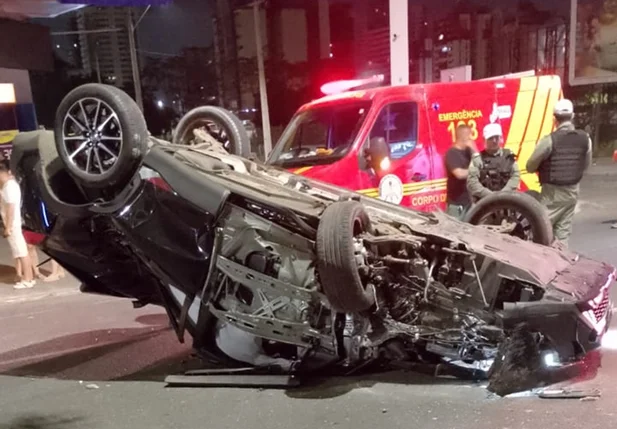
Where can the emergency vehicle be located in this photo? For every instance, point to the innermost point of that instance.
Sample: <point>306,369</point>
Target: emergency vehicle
<point>339,138</point>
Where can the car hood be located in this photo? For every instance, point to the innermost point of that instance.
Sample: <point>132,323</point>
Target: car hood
<point>547,267</point>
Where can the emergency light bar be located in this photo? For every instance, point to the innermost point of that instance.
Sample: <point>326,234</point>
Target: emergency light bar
<point>338,86</point>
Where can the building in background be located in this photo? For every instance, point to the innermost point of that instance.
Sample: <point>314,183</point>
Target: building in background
<point>493,44</point>
<point>294,33</point>
<point>105,55</point>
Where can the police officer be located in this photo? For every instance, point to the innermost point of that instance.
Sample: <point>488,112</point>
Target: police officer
<point>560,159</point>
<point>494,169</point>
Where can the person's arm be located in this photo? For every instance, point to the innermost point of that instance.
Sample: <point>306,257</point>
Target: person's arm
<point>9,219</point>
<point>515,179</point>
<point>588,155</point>
<point>474,186</point>
<point>454,166</point>
<point>10,195</point>
<point>541,152</point>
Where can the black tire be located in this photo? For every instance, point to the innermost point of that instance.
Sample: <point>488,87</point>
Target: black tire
<point>535,195</point>
<point>239,141</point>
<point>541,227</point>
<point>336,262</point>
<point>130,121</point>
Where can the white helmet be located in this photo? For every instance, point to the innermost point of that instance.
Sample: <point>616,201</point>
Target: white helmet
<point>492,130</point>
<point>563,107</point>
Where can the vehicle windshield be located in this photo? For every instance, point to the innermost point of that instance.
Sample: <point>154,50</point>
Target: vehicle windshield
<point>321,135</point>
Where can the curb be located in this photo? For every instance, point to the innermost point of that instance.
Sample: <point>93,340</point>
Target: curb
<point>29,295</point>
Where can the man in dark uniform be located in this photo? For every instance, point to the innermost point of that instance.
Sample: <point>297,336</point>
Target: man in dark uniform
<point>561,159</point>
<point>457,162</point>
<point>494,169</point>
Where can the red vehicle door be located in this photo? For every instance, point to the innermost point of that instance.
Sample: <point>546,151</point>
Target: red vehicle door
<point>400,122</point>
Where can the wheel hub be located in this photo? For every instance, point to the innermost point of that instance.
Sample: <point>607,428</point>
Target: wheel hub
<point>92,136</point>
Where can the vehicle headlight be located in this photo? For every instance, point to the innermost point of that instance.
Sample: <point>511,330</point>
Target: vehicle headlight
<point>385,164</point>
<point>551,359</point>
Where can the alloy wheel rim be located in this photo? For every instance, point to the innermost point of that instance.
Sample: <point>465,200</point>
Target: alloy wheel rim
<point>92,136</point>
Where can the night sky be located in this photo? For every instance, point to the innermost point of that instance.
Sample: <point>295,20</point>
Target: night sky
<point>167,29</point>
<point>189,22</point>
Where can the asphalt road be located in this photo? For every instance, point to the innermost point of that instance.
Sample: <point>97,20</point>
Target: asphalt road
<point>73,361</point>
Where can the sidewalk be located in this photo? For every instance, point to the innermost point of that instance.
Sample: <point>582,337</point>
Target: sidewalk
<point>602,167</point>
<point>66,286</point>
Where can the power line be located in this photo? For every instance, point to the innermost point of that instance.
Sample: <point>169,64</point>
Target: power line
<point>102,30</point>
<point>161,54</point>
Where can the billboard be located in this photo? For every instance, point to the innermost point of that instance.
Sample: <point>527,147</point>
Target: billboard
<point>593,41</point>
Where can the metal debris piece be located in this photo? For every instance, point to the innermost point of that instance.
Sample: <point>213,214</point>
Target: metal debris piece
<point>569,394</point>
<point>589,398</point>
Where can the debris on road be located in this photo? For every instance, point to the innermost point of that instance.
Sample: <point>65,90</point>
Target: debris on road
<point>587,395</point>
<point>589,398</point>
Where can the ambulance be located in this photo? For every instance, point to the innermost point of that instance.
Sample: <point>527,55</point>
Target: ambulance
<point>390,142</point>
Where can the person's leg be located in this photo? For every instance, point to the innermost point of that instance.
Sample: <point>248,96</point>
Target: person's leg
<point>57,272</point>
<point>18,271</point>
<point>455,211</point>
<point>555,214</point>
<point>34,259</point>
<point>563,227</point>
<point>20,252</point>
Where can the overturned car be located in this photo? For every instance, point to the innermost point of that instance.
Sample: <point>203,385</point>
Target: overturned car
<point>270,269</point>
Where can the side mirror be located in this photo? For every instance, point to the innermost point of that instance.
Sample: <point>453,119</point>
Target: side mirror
<point>377,154</point>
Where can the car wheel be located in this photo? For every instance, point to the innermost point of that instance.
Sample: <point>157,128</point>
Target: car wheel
<point>101,135</point>
<point>225,127</point>
<point>340,253</point>
<point>526,216</point>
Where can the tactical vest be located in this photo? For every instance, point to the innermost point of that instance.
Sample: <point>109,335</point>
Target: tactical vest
<point>496,170</point>
<point>566,164</point>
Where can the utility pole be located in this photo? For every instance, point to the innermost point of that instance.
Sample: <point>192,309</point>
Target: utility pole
<point>263,91</point>
<point>134,64</point>
<point>132,28</point>
<point>399,42</point>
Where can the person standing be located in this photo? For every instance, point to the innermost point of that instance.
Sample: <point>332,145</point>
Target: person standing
<point>560,159</point>
<point>457,162</point>
<point>494,169</point>
<point>33,241</point>
<point>11,217</point>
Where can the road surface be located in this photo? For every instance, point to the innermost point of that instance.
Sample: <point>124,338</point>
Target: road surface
<point>74,361</point>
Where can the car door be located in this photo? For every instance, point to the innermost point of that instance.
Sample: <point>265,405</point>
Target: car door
<point>410,167</point>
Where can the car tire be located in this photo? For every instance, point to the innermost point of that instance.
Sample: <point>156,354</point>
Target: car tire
<point>132,142</point>
<point>535,212</point>
<point>239,141</point>
<point>337,266</point>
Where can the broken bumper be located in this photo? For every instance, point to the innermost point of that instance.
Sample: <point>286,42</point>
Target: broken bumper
<point>572,328</point>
